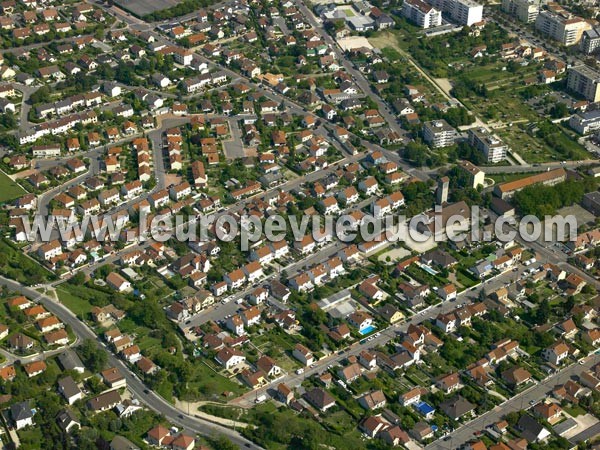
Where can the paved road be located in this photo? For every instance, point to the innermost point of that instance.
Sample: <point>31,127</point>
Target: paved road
<point>158,152</point>
<point>292,106</point>
<point>134,384</point>
<point>516,403</point>
<point>538,167</point>
<point>359,78</point>
<point>466,296</point>
<point>548,253</point>
<point>93,169</point>
<point>387,334</point>
<point>519,29</point>
<point>234,148</point>
<point>25,106</point>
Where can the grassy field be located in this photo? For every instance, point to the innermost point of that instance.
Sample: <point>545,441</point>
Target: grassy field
<point>9,189</point>
<point>534,150</point>
<point>77,305</point>
<point>15,264</point>
<point>505,177</point>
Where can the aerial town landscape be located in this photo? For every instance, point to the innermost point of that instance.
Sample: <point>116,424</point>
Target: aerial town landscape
<point>455,143</point>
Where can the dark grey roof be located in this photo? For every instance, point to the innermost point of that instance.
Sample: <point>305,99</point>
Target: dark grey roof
<point>21,411</point>
<point>68,387</point>
<point>593,33</point>
<point>319,398</point>
<point>457,407</point>
<point>529,427</point>
<point>105,400</point>
<point>66,418</point>
<point>121,443</point>
<point>70,361</point>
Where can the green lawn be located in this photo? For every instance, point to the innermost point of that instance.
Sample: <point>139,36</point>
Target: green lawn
<point>15,264</point>
<point>212,385</point>
<point>77,305</point>
<point>465,278</point>
<point>575,410</point>
<point>9,189</point>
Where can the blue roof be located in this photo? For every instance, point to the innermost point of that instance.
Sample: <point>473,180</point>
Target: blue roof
<point>424,408</point>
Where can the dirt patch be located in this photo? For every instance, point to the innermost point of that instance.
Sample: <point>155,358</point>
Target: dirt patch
<point>23,174</point>
<point>385,40</point>
<point>171,178</point>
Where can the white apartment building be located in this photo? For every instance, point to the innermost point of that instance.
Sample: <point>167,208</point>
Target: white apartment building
<point>585,122</point>
<point>438,133</point>
<point>490,145</point>
<point>561,26</point>
<point>524,10</point>
<point>463,12</point>
<point>590,41</point>
<point>421,13</point>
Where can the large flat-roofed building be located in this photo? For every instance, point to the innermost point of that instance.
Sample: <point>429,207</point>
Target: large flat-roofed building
<point>585,122</point>
<point>463,12</point>
<point>489,144</point>
<point>560,25</point>
<point>422,14</point>
<point>524,10</point>
<point>466,12</point>
<point>508,189</point>
<point>590,41</point>
<point>585,81</point>
<point>438,133</point>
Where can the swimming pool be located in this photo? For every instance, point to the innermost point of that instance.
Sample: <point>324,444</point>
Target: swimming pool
<point>367,330</point>
<point>428,269</point>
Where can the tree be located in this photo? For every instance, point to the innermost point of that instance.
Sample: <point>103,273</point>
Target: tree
<point>93,358</point>
<point>543,312</point>
<point>559,110</point>
<point>78,278</point>
<point>42,95</point>
<point>570,303</point>
<point>222,443</point>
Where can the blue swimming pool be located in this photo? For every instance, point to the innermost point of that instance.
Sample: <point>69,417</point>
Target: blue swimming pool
<point>428,269</point>
<point>368,330</point>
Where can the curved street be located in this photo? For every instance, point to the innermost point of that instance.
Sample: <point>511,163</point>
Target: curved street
<point>134,384</point>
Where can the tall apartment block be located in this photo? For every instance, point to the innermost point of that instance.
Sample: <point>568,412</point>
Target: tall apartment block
<point>560,25</point>
<point>463,12</point>
<point>438,133</point>
<point>585,81</point>
<point>524,10</point>
<point>422,14</point>
<point>590,41</point>
<point>489,144</point>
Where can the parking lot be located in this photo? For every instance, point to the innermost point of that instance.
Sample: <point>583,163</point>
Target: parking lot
<point>142,7</point>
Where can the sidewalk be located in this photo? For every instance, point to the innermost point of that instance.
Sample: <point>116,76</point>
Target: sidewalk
<point>192,407</point>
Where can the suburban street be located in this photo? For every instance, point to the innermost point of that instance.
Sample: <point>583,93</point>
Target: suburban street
<point>358,77</point>
<point>520,401</point>
<point>134,384</point>
<point>384,336</point>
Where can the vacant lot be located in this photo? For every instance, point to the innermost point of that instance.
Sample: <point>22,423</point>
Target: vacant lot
<point>9,189</point>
